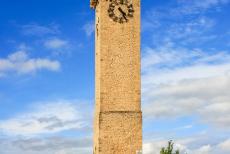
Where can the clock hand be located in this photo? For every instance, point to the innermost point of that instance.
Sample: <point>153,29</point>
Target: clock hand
<point>123,13</point>
<point>125,18</point>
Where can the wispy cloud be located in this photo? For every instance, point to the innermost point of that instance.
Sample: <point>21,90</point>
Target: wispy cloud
<point>186,75</point>
<point>205,4</point>
<point>185,83</point>
<point>189,145</point>
<point>183,22</point>
<point>55,43</point>
<point>48,145</point>
<point>21,63</point>
<point>154,147</point>
<point>225,145</point>
<point>44,118</point>
<point>184,32</point>
<point>39,30</point>
<point>89,28</point>
<point>42,128</point>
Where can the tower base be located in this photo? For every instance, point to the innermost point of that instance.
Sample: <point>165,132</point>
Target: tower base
<point>120,132</point>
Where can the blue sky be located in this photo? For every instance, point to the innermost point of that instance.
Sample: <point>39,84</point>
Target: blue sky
<point>47,76</point>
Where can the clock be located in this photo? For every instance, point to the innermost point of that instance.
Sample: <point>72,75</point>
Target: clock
<point>120,10</point>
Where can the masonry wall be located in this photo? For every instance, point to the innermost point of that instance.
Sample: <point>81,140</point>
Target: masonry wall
<point>118,117</point>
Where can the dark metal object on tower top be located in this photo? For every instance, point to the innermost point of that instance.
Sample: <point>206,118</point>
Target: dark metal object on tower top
<point>93,3</point>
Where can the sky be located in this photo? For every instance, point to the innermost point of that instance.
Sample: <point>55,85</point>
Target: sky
<point>47,76</point>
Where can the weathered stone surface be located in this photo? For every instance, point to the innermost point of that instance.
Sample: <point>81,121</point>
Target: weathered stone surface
<point>120,132</point>
<point>118,118</point>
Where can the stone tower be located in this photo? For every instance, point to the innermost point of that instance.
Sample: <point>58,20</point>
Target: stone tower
<point>118,116</point>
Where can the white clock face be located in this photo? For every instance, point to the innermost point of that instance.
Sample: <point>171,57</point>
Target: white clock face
<point>120,10</point>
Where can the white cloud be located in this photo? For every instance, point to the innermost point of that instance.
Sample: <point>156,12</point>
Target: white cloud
<point>50,145</point>
<point>89,28</point>
<point>18,56</point>
<point>42,128</point>
<point>203,4</point>
<point>189,7</point>
<point>20,62</point>
<point>39,30</point>
<point>184,127</point>
<point>185,76</point>
<point>192,28</point>
<point>44,118</point>
<point>181,31</point>
<point>154,147</point>
<point>206,149</point>
<point>168,55</point>
<point>188,146</point>
<point>183,22</point>
<point>225,145</point>
<point>187,83</point>
<point>55,43</point>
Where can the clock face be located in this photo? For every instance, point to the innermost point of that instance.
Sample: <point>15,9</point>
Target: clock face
<point>120,10</point>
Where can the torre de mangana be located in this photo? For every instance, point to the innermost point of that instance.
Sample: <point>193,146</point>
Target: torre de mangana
<point>118,116</point>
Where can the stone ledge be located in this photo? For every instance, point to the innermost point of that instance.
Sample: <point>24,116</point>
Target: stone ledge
<point>108,112</point>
